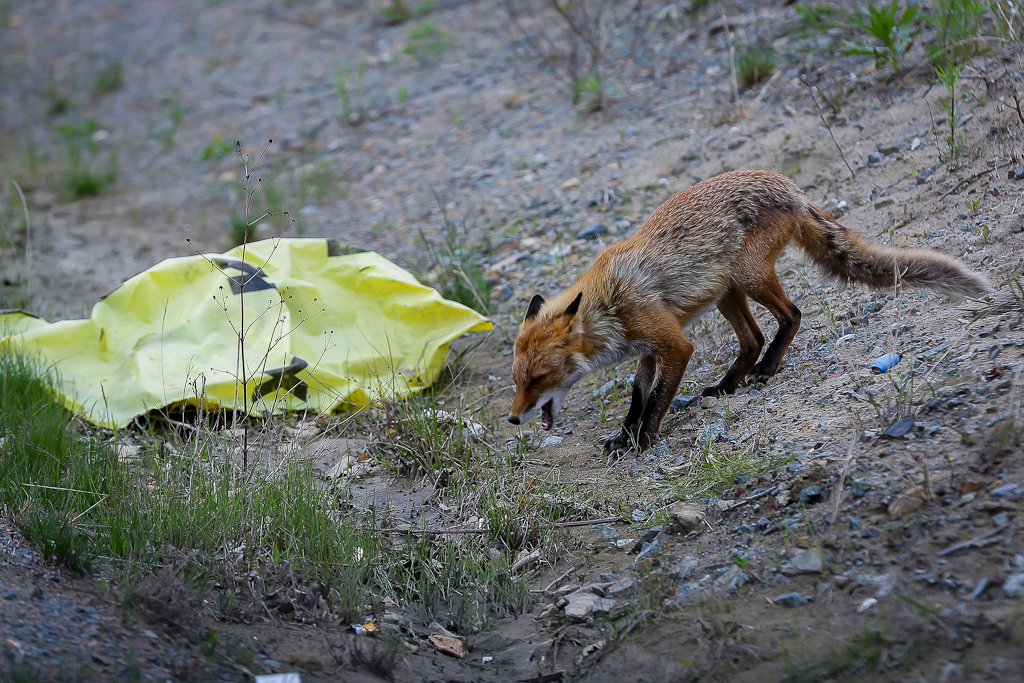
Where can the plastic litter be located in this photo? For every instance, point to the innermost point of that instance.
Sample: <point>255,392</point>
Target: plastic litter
<point>327,327</point>
<point>885,363</point>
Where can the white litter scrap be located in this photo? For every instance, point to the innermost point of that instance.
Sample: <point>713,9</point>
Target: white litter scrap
<point>279,678</point>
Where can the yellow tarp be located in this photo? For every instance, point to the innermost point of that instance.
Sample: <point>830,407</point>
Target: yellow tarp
<point>324,326</point>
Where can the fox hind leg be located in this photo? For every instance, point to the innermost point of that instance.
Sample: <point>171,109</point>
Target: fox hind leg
<point>770,294</point>
<point>733,305</point>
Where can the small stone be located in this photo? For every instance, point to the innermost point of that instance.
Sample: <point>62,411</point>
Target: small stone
<point>604,389</point>
<point>592,232</point>
<point>915,144</point>
<point>649,550</point>
<point>808,561</point>
<point>624,542</point>
<point>1017,173</point>
<point>811,495</point>
<point>639,515</point>
<point>763,524</point>
<point>979,588</point>
<point>1001,519</point>
<point>1013,586</point>
<point>882,203</point>
<point>648,536</point>
<point>580,605</point>
<point>731,579</point>
<point>10,594</point>
<point>683,402</point>
<point>789,600</point>
<point>687,568</point>
<point>604,605</point>
<point>551,441</point>
<point>876,158</point>
<point>606,532</point>
<point>624,587</point>
<point>738,142</point>
<point>685,517</point>
<point>887,148</point>
<point>609,577</point>
<point>717,431</point>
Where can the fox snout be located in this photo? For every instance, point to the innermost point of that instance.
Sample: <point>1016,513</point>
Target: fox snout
<point>514,419</point>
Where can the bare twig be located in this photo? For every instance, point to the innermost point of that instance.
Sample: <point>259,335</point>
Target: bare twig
<point>528,559</point>
<point>853,173</point>
<point>976,541</point>
<point>970,179</point>
<point>562,577</point>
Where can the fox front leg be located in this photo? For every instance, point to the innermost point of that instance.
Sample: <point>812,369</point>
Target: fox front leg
<point>629,438</point>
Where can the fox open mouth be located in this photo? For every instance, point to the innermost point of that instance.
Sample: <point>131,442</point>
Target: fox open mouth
<point>547,419</point>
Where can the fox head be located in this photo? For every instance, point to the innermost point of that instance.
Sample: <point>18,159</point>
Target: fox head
<point>549,358</point>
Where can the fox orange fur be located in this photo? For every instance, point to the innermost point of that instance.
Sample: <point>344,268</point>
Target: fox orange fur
<point>715,243</point>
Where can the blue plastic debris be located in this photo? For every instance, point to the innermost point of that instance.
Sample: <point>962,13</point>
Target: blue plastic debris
<point>886,362</point>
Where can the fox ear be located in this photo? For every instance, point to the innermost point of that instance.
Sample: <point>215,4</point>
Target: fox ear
<point>574,306</point>
<point>535,303</point>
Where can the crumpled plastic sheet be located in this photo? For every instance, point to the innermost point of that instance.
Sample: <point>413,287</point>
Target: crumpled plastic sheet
<point>325,327</point>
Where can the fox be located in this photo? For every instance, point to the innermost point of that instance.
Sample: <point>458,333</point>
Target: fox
<point>712,244</point>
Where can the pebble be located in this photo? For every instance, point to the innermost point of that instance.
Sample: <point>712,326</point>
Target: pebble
<point>808,561</point>
<point>624,587</point>
<point>811,495</point>
<point>647,537</point>
<point>685,517</point>
<point>551,441</point>
<point>875,158</point>
<point>592,232</point>
<point>649,550</point>
<point>789,600</point>
<point>1013,586</point>
<point>683,402</point>
<point>579,606</point>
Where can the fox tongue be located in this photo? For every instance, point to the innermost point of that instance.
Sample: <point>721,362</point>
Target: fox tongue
<point>547,420</point>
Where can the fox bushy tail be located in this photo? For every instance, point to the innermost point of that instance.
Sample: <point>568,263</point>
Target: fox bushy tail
<point>845,253</point>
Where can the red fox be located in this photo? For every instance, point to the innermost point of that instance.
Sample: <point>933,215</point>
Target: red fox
<point>715,243</point>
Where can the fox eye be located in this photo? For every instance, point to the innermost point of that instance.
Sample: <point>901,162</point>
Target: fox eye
<point>537,380</point>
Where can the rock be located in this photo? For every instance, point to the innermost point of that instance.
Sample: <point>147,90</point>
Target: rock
<point>604,605</point>
<point>1017,173</point>
<point>866,605</point>
<point>882,203</point>
<point>624,587</point>
<point>789,600</point>
<point>683,402</point>
<point>1013,586</point>
<point>876,158</point>
<point>731,579</point>
<point>685,517</point>
<point>687,568</point>
<point>592,232</point>
<point>888,148</point>
<point>811,495</point>
<point>623,542</point>
<point>649,550</point>
<point>980,588</point>
<point>908,502</point>
<point>448,645</point>
<point>717,431</point>
<point>738,142</point>
<point>606,532</point>
<point>604,389</point>
<point>580,605</point>
<point>551,441</point>
<point>639,515</point>
<point>915,144</point>
<point>763,524</point>
<point>808,561</point>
